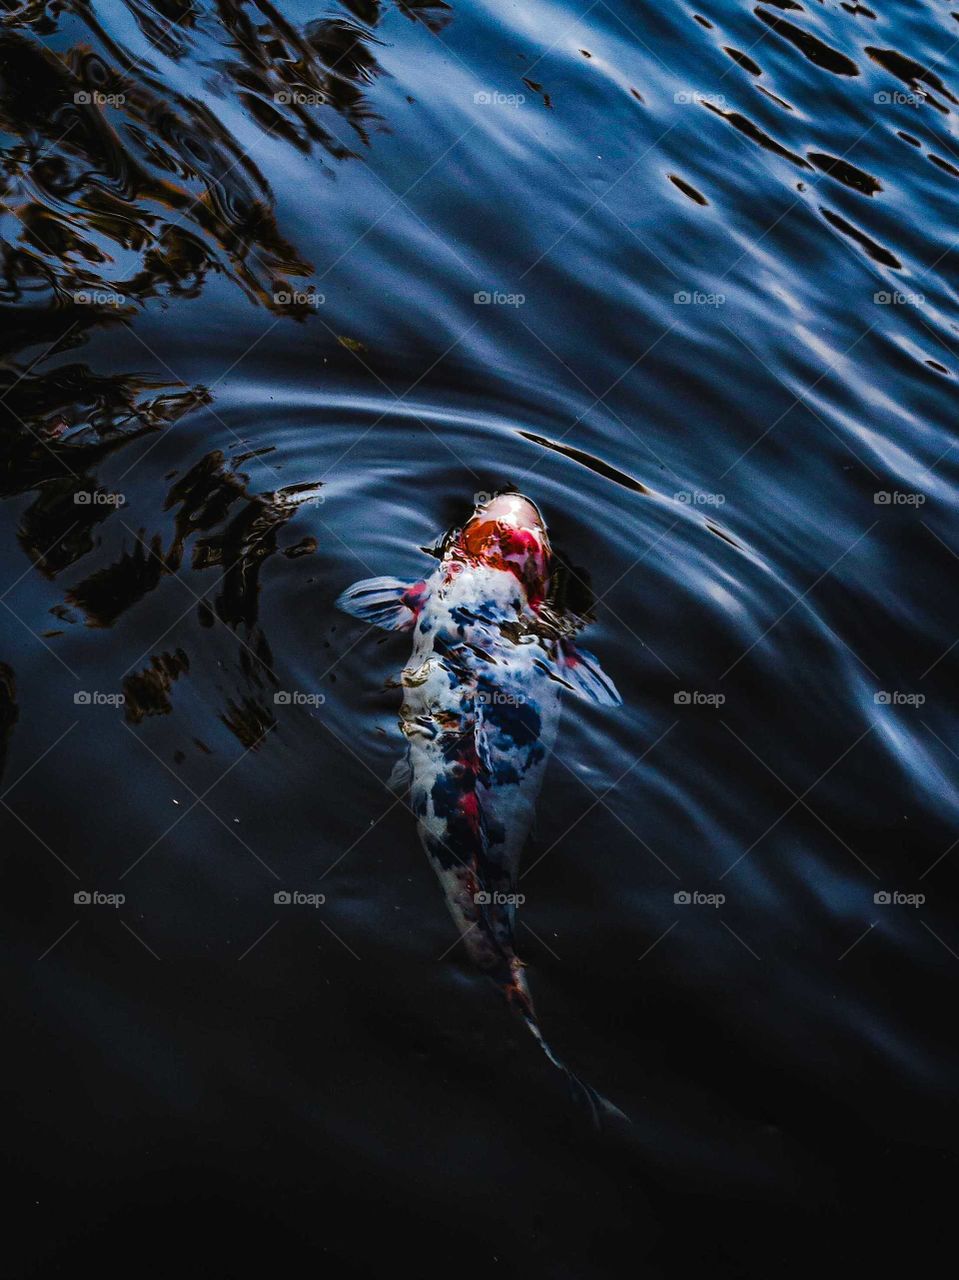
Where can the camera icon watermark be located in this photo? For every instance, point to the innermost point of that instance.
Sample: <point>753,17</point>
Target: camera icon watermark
<point>484,899</point>
<point>896,698</point>
<point>298,698</point>
<point>493,98</point>
<point>688,97</point>
<point>94,698</point>
<point>94,97</point>
<point>697,698</point>
<point>894,898</point>
<point>500,698</point>
<point>691,497</point>
<point>84,898</point>
<point>886,98</point>
<point>297,898</point>
<point>894,298</point>
<point>96,498</point>
<point>687,898</point>
<point>297,98</point>
<point>497,298</point>
<point>298,298</point>
<point>98,298</point>
<point>698,298</point>
<point>898,498</point>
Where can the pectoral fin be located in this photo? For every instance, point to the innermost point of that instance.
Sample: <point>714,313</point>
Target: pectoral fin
<point>384,602</point>
<point>587,679</point>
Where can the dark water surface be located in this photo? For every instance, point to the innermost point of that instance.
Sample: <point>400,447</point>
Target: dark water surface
<point>245,365</point>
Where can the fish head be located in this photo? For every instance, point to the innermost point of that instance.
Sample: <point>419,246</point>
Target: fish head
<point>507,532</point>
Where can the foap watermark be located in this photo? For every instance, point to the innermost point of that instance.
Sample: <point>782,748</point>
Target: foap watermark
<point>693,898</point>
<point>896,98</point>
<point>697,298</point>
<point>695,499</point>
<point>95,698</point>
<point>484,899</point>
<point>686,97</point>
<point>298,298</point>
<point>97,498</point>
<point>94,97</point>
<point>896,698</point>
<point>894,898</point>
<point>885,298</point>
<point>298,698</point>
<point>493,98</point>
<point>297,898</point>
<point>298,98</point>
<point>496,298</point>
<point>94,898</point>
<point>696,698</point>
<point>898,498</point>
<point>98,298</point>
<point>500,698</point>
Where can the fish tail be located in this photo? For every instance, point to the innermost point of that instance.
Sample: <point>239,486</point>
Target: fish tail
<point>599,1108</point>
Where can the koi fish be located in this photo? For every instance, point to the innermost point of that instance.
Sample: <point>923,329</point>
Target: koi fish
<point>481,706</point>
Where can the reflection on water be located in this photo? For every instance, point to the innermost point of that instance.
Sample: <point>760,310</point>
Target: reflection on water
<point>126,191</point>
<point>285,288</point>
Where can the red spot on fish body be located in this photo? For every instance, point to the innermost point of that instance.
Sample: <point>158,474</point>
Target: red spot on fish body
<point>469,807</point>
<point>414,597</point>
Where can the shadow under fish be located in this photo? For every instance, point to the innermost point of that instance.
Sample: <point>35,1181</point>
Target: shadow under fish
<point>492,655</point>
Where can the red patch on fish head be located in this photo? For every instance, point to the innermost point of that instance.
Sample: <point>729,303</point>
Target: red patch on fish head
<point>508,533</point>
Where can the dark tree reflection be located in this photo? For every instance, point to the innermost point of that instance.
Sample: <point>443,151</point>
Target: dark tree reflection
<point>124,187</point>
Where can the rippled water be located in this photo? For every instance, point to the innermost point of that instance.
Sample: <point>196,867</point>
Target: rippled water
<point>284,288</point>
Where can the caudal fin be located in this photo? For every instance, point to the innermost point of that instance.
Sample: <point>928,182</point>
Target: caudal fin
<point>599,1108</point>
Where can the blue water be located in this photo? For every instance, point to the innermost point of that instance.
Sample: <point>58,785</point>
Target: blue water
<point>249,359</point>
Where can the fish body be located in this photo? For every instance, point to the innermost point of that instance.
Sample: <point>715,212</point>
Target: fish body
<point>481,706</point>
<point>480,714</point>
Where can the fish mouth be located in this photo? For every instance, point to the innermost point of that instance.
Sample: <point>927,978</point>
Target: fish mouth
<point>508,532</point>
